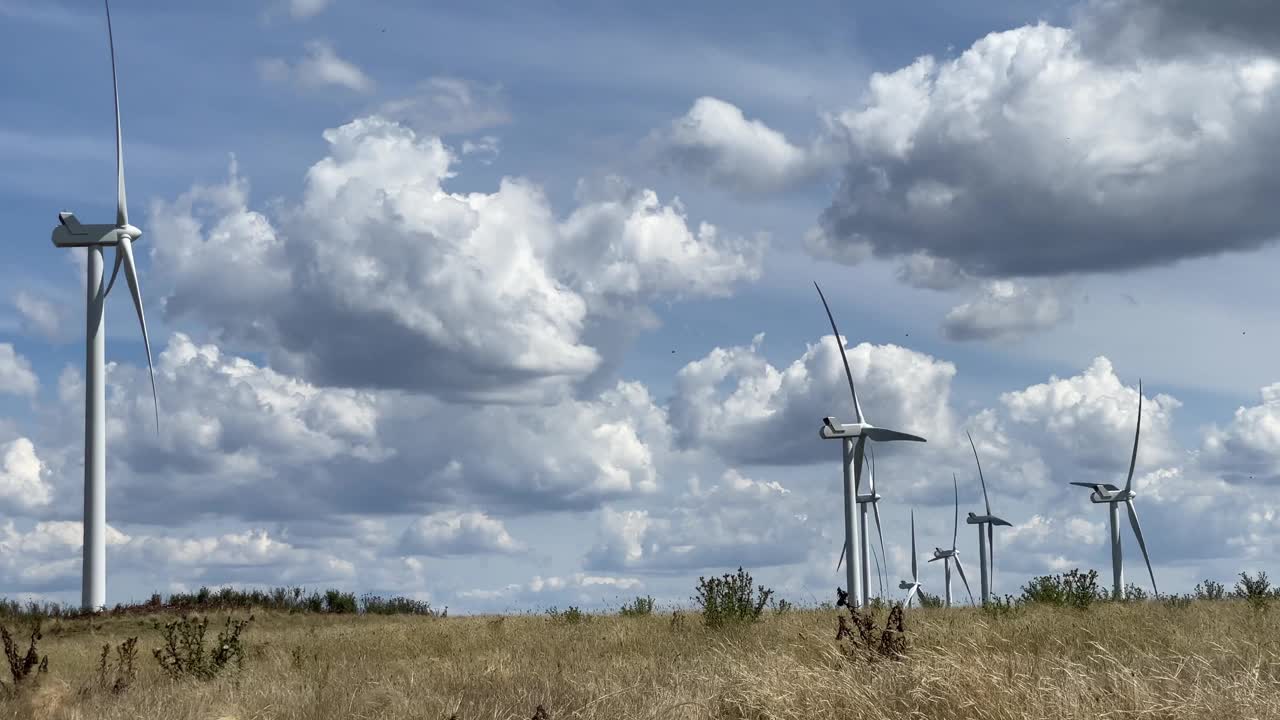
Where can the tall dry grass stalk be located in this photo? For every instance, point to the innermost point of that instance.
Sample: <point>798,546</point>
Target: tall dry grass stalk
<point>1206,660</point>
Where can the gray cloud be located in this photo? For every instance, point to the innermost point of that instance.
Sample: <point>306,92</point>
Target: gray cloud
<point>1007,309</point>
<point>1028,156</point>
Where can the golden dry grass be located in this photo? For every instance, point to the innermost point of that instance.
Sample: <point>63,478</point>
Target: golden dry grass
<point>1208,660</point>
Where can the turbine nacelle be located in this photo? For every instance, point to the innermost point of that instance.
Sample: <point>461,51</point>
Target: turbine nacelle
<point>869,498</point>
<point>980,519</point>
<point>940,554</point>
<point>70,232</point>
<point>832,430</point>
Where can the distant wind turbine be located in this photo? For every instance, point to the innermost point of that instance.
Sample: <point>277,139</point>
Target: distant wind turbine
<point>946,556</point>
<point>914,586</point>
<point>986,542</point>
<point>70,233</point>
<point>853,439</point>
<point>1113,496</point>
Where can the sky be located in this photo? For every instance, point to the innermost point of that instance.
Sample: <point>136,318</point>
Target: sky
<point>508,309</point>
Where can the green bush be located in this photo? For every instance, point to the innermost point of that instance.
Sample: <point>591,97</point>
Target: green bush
<point>184,652</point>
<point>1256,590</point>
<point>572,616</point>
<point>730,599</point>
<point>1074,589</point>
<point>1210,590</point>
<point>640,607</point>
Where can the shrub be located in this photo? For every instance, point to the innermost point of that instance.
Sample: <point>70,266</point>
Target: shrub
<point>927,600</point>
<point>640,607</point>
<point>572,616</point>
<point>1134,593</point>
<point>376,605</point>
<point>336,601</point>
<point>782,607</point>
<point>184,652</point>
<point>20,667</point>
<point>998,608</point>
<point>731,599</point>
<point>888,644</point>
<point>1257,590</point>
<point>1074,589</point>
<point>124,672</point>
<point>1210,590</point>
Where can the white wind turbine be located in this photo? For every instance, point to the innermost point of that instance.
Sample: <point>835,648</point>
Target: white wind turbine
<point>1113,496</point>
<point>987,541</point>
<point>914,586</point>
<point>70,233</point>
<point>946,556</point>
<point>853,439</point>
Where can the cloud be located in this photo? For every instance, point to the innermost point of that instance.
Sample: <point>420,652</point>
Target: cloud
<point>380,278</point>
<point>1007,309</point>
<point>16,376</point>
<point>450,106</point>
<point>1138,165</point>
<point>301,9</point>
<point>39,316</point>
<point>1091,416</point>
<point>734,522</point>
<point>1248,448</point>
<point>320,68</point>
<point>22,475</point>
<point>921,270</point>
<point>242,440</point>
<point>457,533</point>
<point>714,139</point>
<point>732,399</point>
<point>1126,30</point>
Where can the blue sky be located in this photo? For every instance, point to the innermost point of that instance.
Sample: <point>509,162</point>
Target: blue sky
<point>440,218</point>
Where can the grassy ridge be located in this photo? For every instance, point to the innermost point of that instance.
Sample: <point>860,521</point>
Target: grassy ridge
<point>1195,659</point>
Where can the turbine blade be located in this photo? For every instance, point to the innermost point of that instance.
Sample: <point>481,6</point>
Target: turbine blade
<point>875,509</point>
<point>114,271</point>
<point>871,461</point>
<point>1137,530</point>
<point>912,593</point>
<point>122,206</point>
<point>857,409</point>
<point>960,568</point>
<point>879,575</point>
<point>915,576</point>
<point>955,533</point>
<point>125,248</point>
<point>1128,484</point>
<point>984,481</point>
<point>886,435</point>
<point>843,547</point>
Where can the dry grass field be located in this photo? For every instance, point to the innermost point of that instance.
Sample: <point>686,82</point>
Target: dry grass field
<point>1203,659</point>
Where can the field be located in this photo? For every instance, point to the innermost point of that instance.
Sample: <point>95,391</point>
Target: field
<point>1202,659</point>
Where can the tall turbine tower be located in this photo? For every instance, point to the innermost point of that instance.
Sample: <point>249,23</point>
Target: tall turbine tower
<point>70,233</point>
<point>853,440</point>
<point>986,542</point>
<point>870,498</point>
<point>1113,496</point>
<point>946,556</point>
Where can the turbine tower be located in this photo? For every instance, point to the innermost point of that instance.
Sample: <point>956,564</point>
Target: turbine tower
<point>70,233</point>
<point>1113,496</point>
<point>871,498</point>
<point>946,556</point>
<point>853,441</point>
<point>986,541</point>
<point>914,586</point>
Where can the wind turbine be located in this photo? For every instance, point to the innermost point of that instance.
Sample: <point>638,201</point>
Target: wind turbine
<point>871,498</point>
<point>1113,496</point>
<point>914,586</point>
<point>853,440</point>
<point>70,233</point>
<point>946,556</point>
<point>986,541</point>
